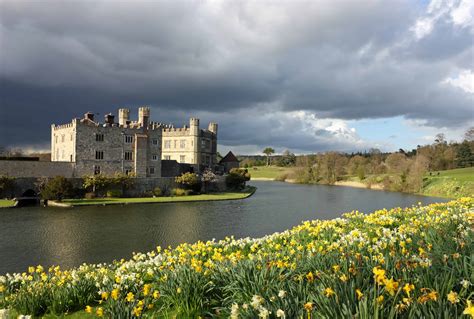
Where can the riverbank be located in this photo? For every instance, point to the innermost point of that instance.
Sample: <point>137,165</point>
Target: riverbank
<point>249,191</point>
<point>454,183</point>
<point>413,260</point>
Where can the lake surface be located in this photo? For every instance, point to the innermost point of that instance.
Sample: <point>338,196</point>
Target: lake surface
<point>69,237</point>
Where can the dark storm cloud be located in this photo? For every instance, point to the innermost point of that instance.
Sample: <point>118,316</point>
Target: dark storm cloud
<point>336,59</point>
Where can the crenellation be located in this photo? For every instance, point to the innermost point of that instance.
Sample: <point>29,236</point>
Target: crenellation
<point>131,146</point>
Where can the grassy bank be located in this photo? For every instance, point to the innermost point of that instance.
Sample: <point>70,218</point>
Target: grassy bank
<point>268,172</point>
<point>451,183</point>
<point>400,263</point>
<point>6,203</point>
<point>168,199</point>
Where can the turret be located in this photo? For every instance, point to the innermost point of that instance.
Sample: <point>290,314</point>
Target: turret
<point>109,119</point>
<point>194,126</point>
<point>213,127</point>
<point>124,116</point>
<point>144,116</point>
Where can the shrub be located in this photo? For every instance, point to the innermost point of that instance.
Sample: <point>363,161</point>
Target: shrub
<point>236,178</point>
<point>89,195</point>
<point>157,192</point>
<point>178,192</point>
<point>189,181</point>
<point>114,193</point>
<point>57,188</point>
<point>7,185</point>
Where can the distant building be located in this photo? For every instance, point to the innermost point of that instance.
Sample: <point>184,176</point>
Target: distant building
<point>229,162</point>
<point>131,146</point>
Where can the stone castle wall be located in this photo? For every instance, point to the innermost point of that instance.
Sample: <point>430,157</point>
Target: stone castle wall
<point>36,169</point>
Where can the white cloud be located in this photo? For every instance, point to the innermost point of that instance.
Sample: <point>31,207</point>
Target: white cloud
<point>464,81</point>
<point>463,14</point>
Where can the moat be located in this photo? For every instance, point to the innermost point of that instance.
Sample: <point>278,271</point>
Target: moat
<point>70,237</point>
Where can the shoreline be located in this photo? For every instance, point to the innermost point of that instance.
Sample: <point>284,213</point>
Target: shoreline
<point>154,200</point>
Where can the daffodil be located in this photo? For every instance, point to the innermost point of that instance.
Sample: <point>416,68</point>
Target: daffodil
<point>469,309</point>
<point>453,297</point>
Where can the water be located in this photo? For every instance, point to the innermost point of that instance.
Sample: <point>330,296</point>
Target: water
<point>69,237</point>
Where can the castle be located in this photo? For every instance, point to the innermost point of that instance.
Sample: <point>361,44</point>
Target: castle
<point>127,146</point>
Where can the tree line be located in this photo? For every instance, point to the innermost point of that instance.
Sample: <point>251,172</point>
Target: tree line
<point>399,171</point>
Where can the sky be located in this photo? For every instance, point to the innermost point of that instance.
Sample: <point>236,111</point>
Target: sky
<point>308,76</point>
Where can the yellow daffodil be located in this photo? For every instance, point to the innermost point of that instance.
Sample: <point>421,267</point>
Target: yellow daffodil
<point>469,309</point>
<point>100,312</point>
<point>453,297</point>
<point>130,297</point>
<point>88,309</point>
<point>359,294</point>
<point>328,292</point>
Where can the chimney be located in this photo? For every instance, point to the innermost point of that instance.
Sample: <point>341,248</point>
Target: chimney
<point>89,116</point>
<point>109,119</point>
<point>124,115</point>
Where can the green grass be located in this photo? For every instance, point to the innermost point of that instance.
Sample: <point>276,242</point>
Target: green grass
<point>268,171</point>
<point>144,200</point>
<point>452,183</point>
<point>7,203</point>
<point>460,174</point>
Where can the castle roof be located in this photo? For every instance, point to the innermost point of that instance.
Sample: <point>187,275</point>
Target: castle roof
<point>230,157</point>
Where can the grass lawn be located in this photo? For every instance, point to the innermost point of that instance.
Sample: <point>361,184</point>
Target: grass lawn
<point>460,174</point>
<point>7,203</point>
<point>171,199</point>
<point>267,171</point>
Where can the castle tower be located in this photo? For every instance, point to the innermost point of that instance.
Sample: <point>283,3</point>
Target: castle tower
<point>194,132</point>
<point>213,127</point>
<point>144,116</point>
<point>124,116</point>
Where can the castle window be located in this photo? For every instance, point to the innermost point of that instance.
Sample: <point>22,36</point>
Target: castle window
<point>71,137</point>
<point>55,139</point>
<point>62,138</point>
<point>182,143</point>
<point>128,171</point>
<point>182,158</point>
<point>167,157</point>
<point>99,137</point>
<point>99,155</point>
<point>154,141</point>
<point>175,143</point>
<point>96,169</point>
<point>152,170</point>
<point>62,154</point>
<point>167,144</point>
<point>154,157</point>
<point>128,139</point>
<point>128,156</point>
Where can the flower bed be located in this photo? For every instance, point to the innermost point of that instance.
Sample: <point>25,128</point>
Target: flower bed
<point>406,263</point>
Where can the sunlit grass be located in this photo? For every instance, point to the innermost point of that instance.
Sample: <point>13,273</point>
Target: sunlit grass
<point>167,199</point>
<point>6,203</point>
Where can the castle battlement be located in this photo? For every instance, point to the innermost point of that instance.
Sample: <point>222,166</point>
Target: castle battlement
<point>131,146</point>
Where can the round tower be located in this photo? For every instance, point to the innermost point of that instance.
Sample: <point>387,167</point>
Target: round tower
<point>194,126</point>
<point>124,116</point>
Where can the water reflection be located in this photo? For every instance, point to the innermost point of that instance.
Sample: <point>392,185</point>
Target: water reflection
<point>69,237</point>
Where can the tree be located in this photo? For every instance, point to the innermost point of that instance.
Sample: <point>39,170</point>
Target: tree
<point>57,188</point>
<point>464,156</point>
<point>208,177</point>
<point>7,186</point>
<point>469,135</point>
<point>97,182</point>
<point>236,178</point>
<point>189,181</point>
<point>268,151</point>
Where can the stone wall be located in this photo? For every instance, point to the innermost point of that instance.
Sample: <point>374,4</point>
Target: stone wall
<point>36,169</point>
